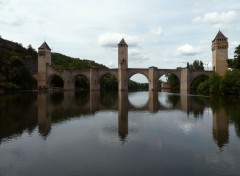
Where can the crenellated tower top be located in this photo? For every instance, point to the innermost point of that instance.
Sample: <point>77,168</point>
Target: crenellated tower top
<point>220,41</point>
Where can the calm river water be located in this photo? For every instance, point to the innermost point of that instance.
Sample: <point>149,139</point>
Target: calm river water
<point>108,134</point>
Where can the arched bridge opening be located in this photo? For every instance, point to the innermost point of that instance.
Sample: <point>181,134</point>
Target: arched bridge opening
<point>81,82</point>
<point>197,80</point>
<point>55,82</point>
<point>138,82</point>
<point>108,81</point>
<point>169,82</point>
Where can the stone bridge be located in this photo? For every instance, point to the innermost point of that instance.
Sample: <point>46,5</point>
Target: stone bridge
<point>122,74</point>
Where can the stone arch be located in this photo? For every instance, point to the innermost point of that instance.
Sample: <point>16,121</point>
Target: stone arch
<point>196,79</point>
<point>135,85</point>
<point>194,76</point>
<point>166,72</point>
<point>112,86</point>
<point>52,77</point>
<point>104,73</point>
<point>136,72</point>
<point>81,74</point>
<point>86,79</point>
<point>165,86</point>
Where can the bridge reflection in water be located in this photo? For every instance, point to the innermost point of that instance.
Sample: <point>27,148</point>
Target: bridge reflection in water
<point>62,105</point>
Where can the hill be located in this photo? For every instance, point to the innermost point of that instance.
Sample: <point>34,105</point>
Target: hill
<point>27,55</point>
<point>61,62</point>
<point>18,64</point>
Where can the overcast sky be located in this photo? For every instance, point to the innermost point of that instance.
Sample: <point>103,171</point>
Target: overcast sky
<point>161,33</point>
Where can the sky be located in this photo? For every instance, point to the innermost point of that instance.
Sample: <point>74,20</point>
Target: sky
<point>160,33</point>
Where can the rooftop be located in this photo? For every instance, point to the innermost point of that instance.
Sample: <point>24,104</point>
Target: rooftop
<point>122,42</point>
<point>220,36</point>
<point>44,46</point>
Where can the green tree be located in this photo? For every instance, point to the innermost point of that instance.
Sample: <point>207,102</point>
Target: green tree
<point>211,85</point>
<point>136,86</point>
<point>173,82</point>
<point>108,82</point>
<point>197,65</point>
<point>230,82</point>
<point>203,87</point>
<point>197,81</point>
<point>235,62</point>
<point>214,83</point>
<point>14,73</point>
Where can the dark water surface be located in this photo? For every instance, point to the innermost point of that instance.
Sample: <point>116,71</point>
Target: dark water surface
<point>108,134</point>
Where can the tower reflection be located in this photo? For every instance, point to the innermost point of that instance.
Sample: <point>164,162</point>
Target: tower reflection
<point>44,117</point>
<point>122,115</point>
<point>220,128</point>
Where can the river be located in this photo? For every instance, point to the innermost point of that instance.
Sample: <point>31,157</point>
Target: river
<point>118,133</point>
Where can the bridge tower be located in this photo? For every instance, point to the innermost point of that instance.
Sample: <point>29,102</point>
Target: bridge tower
<point>122,66</point>
<point>44,59</point>
<point>220,53</point>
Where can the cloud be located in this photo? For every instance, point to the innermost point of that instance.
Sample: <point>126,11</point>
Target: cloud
<point>187,50</point>
<point>3,3</point>
<point>234,44</point>
<point>137,55</point>
<point>13,22</point>
<point>218,18</point>
<point>111,64</point>
<point>158,31</point>
<point>110,40</point>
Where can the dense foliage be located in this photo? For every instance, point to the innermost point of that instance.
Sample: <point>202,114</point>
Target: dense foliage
<point>108,82</point>
<point>197,65</point>
<point>15,71</point>
<point>61,62</point>
<point>133,86</point>
<point>228,84</point>
<point>235,62</point>
<point>197,81</point>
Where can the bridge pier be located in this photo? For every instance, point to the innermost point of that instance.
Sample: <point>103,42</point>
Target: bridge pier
<point>185,80</point>
<point>122,80</point>
<point>153,82</point>
<point>69,83</point>
<point>94,82</point>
